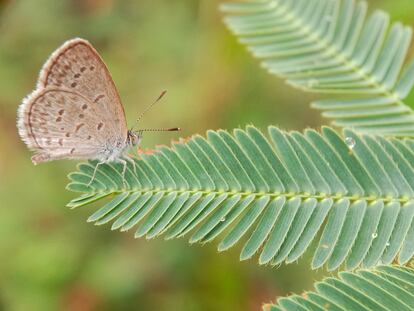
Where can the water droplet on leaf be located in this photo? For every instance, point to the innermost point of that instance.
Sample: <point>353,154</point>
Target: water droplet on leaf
<point>350,142</point>
<point>374,235</point>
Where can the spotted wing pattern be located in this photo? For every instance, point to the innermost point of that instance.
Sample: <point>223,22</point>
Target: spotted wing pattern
<point>63,124</point>
<point>75,112</point>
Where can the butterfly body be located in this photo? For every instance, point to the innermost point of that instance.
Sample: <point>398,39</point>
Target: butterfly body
<point>113,151</point>
<point>75,112</point>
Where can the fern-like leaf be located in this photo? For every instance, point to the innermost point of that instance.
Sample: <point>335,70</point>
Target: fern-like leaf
<point>382,288</point>
<point>329,46</point>
<point>272,196</point>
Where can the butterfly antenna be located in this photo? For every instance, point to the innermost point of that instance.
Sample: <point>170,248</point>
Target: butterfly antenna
<point>150,106</point>
<point>173,129</point>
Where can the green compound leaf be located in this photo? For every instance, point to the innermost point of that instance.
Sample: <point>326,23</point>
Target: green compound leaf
<point>352,195</point>
<point>332,47</point>
<point>382,288</point>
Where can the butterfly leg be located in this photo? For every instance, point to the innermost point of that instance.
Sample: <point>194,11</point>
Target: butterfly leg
<point>122,161</point>
<point>94,172</point>
<point>131,160</point>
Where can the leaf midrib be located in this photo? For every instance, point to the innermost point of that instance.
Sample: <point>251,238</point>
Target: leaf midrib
<point>319,196</point>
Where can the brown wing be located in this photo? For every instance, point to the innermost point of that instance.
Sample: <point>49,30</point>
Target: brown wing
<point>77,66</point>
<point>75,111</point>
<point>62,124</point>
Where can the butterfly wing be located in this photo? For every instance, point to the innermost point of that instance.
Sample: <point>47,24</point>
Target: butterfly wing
<point>75,112</point>
<point>77,66</point>
<point>62,124</point>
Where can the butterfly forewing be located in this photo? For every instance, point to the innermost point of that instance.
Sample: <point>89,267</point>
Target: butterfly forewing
<point>75,112</point>
<point>77,66</point>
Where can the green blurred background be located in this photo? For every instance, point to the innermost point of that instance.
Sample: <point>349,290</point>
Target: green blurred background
<point>50,258</point>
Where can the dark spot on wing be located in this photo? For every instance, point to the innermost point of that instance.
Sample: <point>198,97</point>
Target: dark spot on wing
<point>84,106</point>
<point>77,75</point>
<point>100,125</point>
<point>67,134</point>
<point>98,98</point>
<point>79,126</point>
<point>61,111</point>
<point>72,150</point>
<point>91,68</point>
<point>83,69</point>
<point>58,119</point>
<point>73,84</point>
<point>60,141</point>
<point>81,116</point>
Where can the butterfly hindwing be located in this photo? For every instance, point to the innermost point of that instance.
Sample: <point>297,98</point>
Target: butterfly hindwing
<point>62,124</point>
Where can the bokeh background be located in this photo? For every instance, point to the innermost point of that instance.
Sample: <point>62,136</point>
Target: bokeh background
<point>50,258</point>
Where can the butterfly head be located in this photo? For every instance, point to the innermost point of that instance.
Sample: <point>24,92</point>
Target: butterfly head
<point>134,138</point>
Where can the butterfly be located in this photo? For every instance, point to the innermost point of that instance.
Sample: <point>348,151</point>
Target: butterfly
<point>75,112</point>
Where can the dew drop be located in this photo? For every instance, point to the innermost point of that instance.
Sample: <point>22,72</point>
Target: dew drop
<point>387,244</point>
<point>374,235</point>
<point>350,142</point>
<point>223,219</point>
